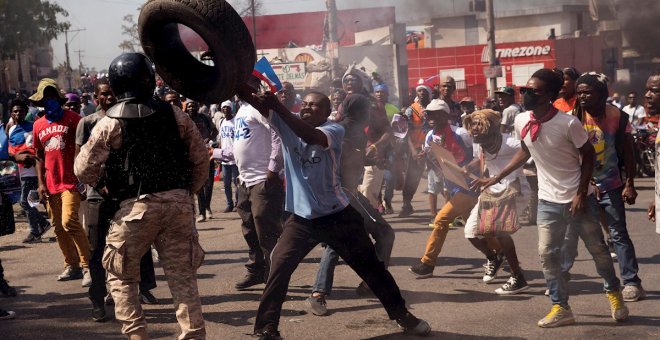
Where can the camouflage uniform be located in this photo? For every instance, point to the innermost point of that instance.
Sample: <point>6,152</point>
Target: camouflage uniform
<point>139,223</point>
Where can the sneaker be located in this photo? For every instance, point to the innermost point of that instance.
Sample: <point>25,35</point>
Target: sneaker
<point>364,290</point>
<point>209,214</point>
<point>414,326</point>
<point>6,314</point>
<point>492,267</point>
<point>235,210</point>
<point>147,298</point>
<point>632,293</point>
<point>514,285</point>
<point>458,223</point>
<point>406,211</point>
<point>98,312</point>
<point>618,307</point>
<point>45,229</point>
<point>268,335</point>
<point>32,238</point>
<point>109,301</point>
<point>388,209</point>
<point>228,210</point>
<point>201,218</point>
<point>317,305</point>
<point>250,280</point>
<point>422,270</point>
<point>70,273</point>
<point>6,290</point>
<point>432,223</point>
<point>558,316</point>
<point>547,292</point>
<point>87,278</point>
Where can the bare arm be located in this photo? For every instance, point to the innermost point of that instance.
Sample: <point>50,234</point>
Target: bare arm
<point>629,192</point>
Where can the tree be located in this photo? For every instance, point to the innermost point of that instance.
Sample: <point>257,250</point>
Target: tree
<point>26,23</point>
<point>244,7</point>
<point>130,29</point>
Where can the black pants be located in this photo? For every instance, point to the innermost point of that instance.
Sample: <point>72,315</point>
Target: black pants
<point>411,182</point>
<point>345,233</point>
<point>260,208</point>
<point>2,271</point>
<point>98,215</point>
<point>206,192</point>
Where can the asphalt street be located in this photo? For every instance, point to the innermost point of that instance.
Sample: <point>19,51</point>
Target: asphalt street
<point>455,301</point>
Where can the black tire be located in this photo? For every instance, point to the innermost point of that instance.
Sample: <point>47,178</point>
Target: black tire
<point>223,31</point>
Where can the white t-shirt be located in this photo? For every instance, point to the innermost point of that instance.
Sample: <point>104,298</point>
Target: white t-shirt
<point>257,147</point>
<point>635,114</point>
<point>226,138</point>
<point>496,163</point>
<point>509,114</point>
<point>556,155</point>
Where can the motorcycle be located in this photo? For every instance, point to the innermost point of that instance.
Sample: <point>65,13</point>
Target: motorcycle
<point>644,141</point>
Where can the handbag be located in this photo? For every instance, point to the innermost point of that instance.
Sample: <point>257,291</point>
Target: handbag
<point>497,211</point>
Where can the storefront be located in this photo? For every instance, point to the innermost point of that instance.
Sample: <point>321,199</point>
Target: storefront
<point>519,61</point>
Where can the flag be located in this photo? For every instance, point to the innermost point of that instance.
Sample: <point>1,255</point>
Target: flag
<point>265,72</point>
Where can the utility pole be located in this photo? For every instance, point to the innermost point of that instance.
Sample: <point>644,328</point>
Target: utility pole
<point>331,7</point>
<point>254,23</point>
<point>68,60</point>
<point>490,25</point>
<point>80,64</point>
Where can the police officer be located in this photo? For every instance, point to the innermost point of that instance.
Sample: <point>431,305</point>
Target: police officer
<point>154,159</point>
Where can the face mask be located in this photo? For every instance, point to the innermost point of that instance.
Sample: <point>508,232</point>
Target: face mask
<point>531,100</point>
<point>51,106</point>
<point>53,110</point>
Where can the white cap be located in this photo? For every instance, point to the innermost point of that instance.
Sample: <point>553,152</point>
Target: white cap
<point>438,105</point>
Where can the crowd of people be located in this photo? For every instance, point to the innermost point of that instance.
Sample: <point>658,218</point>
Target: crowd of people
<point>111,166</point>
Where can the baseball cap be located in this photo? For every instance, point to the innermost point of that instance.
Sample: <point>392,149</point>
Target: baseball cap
<point>466,100</point>
<point>437,105</point>
<point>506,90</point>
<point>72,98</point>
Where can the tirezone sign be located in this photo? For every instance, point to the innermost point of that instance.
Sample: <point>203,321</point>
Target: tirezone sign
<point>516,52</point>
<point>294,73</point>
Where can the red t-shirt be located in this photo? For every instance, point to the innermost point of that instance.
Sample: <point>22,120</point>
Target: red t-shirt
<point>57,140</point>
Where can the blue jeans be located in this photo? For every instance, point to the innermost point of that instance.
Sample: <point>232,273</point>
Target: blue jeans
<point>229,176</point>
<point>611,204</point>
<point>553,220</point>
<point>35,220</point>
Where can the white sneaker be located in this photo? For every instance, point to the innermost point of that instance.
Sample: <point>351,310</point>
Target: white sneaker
<point>201,218</point>
<point>209,214</point>
<point>87,278</point>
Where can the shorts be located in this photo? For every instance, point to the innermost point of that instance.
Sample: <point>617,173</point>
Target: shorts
<point>472,223</point>
<point>435,183</point>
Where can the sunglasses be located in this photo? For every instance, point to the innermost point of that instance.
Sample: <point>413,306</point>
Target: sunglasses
<point>524,90</point>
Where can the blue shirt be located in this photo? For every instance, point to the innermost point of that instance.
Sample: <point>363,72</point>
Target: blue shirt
<point>313,188</point>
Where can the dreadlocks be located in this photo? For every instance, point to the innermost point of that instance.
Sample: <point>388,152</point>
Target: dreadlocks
<point>598,82</point>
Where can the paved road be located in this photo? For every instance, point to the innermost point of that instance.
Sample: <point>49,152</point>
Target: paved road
<point>454,301</point>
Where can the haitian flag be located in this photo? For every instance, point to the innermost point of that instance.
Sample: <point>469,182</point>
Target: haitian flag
<point>265,72</point>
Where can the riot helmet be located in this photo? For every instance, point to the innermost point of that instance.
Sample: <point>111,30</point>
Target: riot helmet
<point>132,77</point>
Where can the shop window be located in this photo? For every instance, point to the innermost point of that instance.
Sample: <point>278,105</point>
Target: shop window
<point>520,74</point>
<point>457,73</point>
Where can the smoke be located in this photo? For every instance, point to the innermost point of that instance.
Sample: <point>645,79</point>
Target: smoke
<point>640,24</point>
<point>414,12</point>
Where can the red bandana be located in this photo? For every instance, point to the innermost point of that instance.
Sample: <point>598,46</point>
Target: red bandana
<point>534,125</point>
